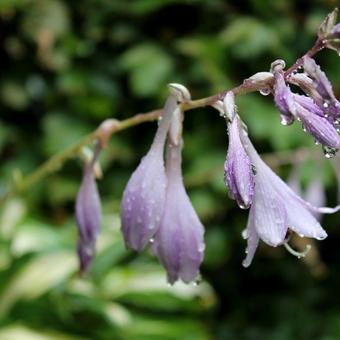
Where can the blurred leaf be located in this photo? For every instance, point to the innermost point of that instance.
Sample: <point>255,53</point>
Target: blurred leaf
<point>35,236</point>
<point>46,16</point>
<point>217,250</point>
<point>149,67</point>
<point>18,331</point>
<point>72,130</point>
<point>14,95</point>
<point>173,328</point>
<point>11,215</point>
<point>248,37</point>
<point>38,276</point>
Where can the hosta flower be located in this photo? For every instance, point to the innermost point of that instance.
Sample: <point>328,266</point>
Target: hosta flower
<point>293,106</point>
<point>238,173</point>
<point>88,215</point>
<point>283,98</point>
<point>178,243</point>
<point>276,208</point>
<point>323,86</point>
<point>144,196</point>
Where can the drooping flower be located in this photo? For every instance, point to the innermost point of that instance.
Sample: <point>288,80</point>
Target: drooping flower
<point>238,172</point>
<point>276,208</point>
<point>88,215</point>
<point>293,106</point>
<point>178,243</point>
<point>144,196</point>
<point>283,98</point>
<point>330,104</point>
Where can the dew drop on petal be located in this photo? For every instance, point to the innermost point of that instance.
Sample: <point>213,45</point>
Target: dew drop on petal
<point>265,91</point>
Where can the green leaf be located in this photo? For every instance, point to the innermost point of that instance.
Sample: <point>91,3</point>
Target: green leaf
<point>38,276</point>
<point>149,67</point>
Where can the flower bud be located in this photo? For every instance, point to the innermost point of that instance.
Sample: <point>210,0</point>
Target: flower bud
<point>238,173</point>
<point>88,215</point>
<point>178,243</point>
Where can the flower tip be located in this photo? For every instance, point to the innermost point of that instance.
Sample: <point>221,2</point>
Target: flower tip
<point>245,204</point>
<point>180,91</point>
<point>246,263</point>
<point>85,255</point>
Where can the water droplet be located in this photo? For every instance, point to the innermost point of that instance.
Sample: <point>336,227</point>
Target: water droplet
<point>316,142</point>
<point>152,240</point>
<point>304,129</point>
<point>325,104</point>
<point>265,92</point>
<point>284,122</point>
<point>301,235</point>
<point>329,152</point>
<point>242,206</point>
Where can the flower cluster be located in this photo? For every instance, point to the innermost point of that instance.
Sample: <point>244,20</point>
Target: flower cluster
<point>274,207</point>
<point>156,210</point>
<point>155,207</point>
<point>319,110</point>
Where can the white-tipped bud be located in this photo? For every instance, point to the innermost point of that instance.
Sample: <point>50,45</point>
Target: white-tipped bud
<point>181,92</point>
<point>277,65</point>
<point>229,106</point>
<point>260,77</point>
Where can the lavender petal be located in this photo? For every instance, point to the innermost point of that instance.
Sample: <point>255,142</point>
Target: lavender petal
<point>179,243</point>
<point>252,239</point>
<point>238,174</point>
<point>144,196</point>
<point>88,215</point>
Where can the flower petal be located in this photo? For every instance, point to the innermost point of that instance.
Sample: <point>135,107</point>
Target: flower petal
<point>179,241</point>
<point>298,213</point>
<point>144,196</point>
<point>322,84</point>
<point>238,174</point>
<point>252,239</point>
<point>88,215</point>
<point>283,98</point>
<point>320,128</point>
<point>269,211</point>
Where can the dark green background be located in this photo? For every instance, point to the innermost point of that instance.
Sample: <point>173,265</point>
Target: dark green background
<point>66,66</point>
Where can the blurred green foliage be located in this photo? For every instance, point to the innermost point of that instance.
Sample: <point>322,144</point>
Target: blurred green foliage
<point>66,66</point>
